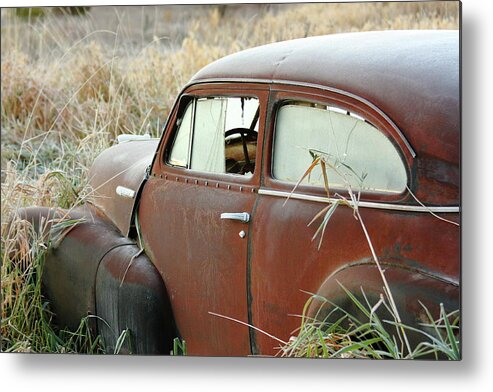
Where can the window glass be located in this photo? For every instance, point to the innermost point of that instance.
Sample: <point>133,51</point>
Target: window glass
<point>357,153</point>
<point>208,140</point>
<point>224,137</point>
<point>179,152</point>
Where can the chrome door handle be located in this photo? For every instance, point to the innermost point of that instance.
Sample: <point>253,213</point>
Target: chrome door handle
<point>239,216</point>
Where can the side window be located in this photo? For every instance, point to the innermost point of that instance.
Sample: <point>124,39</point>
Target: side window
<point>217,135</point>
<point>181,146</point>
<point>357,153</point>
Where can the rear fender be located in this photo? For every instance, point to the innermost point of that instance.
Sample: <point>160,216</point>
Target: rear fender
<point>409,287</point>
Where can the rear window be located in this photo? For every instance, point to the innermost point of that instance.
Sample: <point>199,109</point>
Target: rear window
<point>357,152</point>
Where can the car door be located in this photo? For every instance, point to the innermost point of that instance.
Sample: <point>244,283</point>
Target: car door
<point>288,261</point>
<point>195,212</point>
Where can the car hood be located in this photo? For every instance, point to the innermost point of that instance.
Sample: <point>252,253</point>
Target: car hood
<point>122,166</point>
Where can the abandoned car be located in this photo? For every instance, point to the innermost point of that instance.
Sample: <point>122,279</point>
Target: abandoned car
<point>203,234</point>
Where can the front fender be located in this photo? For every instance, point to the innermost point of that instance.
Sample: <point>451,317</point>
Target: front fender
<point>95,270</point>
<point>130,294</point>
<point>122,165</point>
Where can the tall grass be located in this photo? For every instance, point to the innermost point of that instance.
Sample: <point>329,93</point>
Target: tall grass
<point>26,318</point>
<point>369,338</point>
<point>70,84</point>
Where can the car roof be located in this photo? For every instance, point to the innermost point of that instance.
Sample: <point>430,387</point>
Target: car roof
<point>411,75</point>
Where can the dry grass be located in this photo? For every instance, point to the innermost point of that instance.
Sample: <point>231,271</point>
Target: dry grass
<point>71,84</point>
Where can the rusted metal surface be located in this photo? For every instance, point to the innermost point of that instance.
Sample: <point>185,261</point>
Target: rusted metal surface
<point>282,260</point>
<point>130,294</point>
<point>69,270</point>
<point>202,259</point>
<point>123,165</point>
<point>95,270</point>
<point>41,219</point>
<point>412,76</point>
<point>404,83</point>
<point>416,242</point>
<point>409,287</point>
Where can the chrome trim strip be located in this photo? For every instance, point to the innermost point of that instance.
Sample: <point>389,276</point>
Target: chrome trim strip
<point>239,216</point>
<point>128,137</point>
<point>312,85</point>
<point>364,204</point>
<point>125,192</point>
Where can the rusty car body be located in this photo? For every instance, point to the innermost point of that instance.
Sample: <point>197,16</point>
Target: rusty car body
<point>187,235</point>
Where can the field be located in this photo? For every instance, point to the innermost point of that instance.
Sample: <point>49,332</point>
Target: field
<point>71,83</point>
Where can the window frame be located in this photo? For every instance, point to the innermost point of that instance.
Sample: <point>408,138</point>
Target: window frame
<point>193,100</point>
<point>281,94</point>
<point>162,168</point>
<point>190,100</point>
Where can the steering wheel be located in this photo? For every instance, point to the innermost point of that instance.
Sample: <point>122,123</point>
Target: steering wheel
<point>243,132</point>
